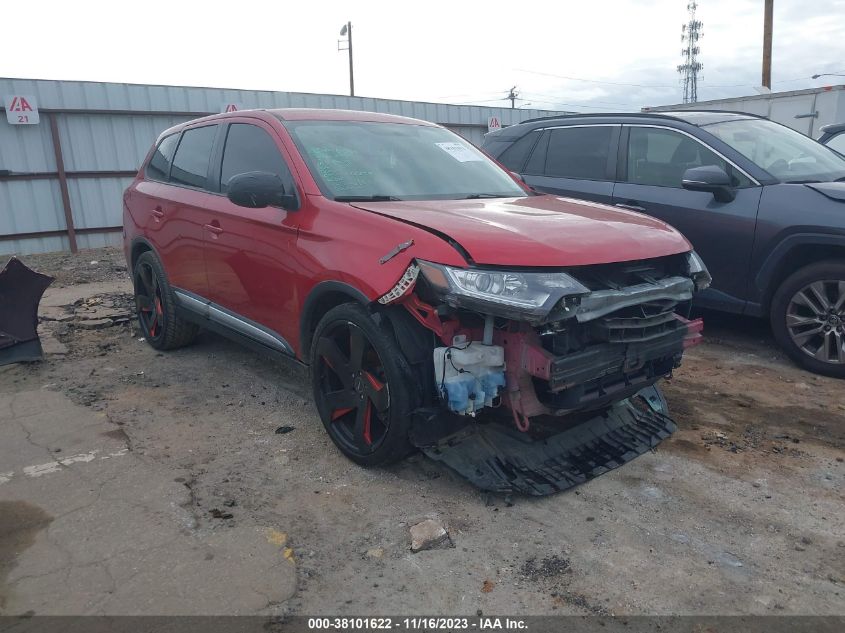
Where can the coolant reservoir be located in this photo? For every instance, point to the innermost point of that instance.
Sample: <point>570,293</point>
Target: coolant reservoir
<point>469,375</point>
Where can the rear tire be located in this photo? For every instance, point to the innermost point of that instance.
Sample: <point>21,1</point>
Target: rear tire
<point>808,317</point>
<point>362,386</point>
<point>155,304</point>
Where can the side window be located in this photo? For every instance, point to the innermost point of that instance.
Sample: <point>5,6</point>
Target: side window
<point>190,165</point>
<point>536,165</point>
<point>249,148</point>
<point>159,165</point>
<point>514,157</point>
<point>579,152</point>
<point>837,143</point>
<point>660,157</point>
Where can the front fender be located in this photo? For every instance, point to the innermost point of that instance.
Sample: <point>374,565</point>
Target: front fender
<point>782,249</point>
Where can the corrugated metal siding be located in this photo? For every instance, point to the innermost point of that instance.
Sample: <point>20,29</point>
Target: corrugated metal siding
<point>110,142</point>
<point>35,205</point>
<point>97,202</point>
<point>26,148</point>
<point>87,95</point>
<point>107,135</point>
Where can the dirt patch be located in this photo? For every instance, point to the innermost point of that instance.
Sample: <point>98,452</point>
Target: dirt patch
<point>545,569</point>
<point>740,511</point>
<point>87,266</point>
<point>20,523</point>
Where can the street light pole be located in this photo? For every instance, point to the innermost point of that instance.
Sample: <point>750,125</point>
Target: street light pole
<point>347,31</point>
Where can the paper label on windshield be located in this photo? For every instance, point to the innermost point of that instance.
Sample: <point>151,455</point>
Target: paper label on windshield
<point>459,152</point>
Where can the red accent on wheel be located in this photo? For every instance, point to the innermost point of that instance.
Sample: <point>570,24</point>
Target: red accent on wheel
<point>378,386</point>
<point>367,417</point>
<point>339,413</point>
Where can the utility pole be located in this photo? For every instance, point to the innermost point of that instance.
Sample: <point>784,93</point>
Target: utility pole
<point>512,95</point>
<point>767,43</point>
<point>347,31</point>
<point>691,32</point>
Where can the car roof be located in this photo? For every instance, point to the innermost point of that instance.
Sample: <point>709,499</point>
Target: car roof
<point>694,117</point>
<point>302,114</point>
<point>320,114</point>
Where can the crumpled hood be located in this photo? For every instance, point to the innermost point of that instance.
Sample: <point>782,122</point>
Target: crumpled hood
<point>539,230</point>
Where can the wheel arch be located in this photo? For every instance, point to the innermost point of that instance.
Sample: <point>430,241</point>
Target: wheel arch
<point>139,246</point>
<point>322,298</point>
<point>793,253</point>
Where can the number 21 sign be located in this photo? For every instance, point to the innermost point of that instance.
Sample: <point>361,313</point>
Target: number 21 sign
<point>21,110</point>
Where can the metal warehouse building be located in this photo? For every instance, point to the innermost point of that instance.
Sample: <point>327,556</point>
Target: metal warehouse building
<point>62,180</point>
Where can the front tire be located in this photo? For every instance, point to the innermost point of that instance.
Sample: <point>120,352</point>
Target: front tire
<point>808,317</point>
<point>362,386</point>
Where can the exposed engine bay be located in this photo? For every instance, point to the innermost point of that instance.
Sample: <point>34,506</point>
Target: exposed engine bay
<point>581,340</point>
<point>586,343</point>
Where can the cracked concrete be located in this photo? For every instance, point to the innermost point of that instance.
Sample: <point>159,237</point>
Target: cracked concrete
<point>93,528</point>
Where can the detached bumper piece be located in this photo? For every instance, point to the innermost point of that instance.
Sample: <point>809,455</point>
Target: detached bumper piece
<point>20,292</point>
<point>500,459</point>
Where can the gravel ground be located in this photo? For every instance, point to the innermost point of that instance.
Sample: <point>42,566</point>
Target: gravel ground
<point>739,512</point>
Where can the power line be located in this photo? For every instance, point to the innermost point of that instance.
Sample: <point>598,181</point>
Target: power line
<point>531,95</point>
<point>593,81</point>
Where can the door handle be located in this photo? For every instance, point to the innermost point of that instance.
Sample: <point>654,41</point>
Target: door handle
<point>214,228</point>
<point>631,206</point>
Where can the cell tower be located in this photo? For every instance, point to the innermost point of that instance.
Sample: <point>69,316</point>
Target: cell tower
<point>691,32</point>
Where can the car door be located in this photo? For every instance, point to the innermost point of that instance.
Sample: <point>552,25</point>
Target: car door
<point>250,253</point>
<point>655,159</point>
<point>178,192</point>
<point>575,160</point>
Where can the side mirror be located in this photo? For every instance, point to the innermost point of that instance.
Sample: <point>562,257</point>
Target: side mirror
<point>518,177</point>
<point>259,189</point>
<point>712,179</point>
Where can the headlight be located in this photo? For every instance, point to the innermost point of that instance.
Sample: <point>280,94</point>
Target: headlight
<point>698,271</point>
<point>503,293</point>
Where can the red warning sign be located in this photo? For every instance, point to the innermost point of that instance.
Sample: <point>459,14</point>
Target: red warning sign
<point>231,107</point>
<point>493,123</point>
<point>21,110</point>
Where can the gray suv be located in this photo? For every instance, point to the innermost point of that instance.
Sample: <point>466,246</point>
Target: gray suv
<point>763,205</point>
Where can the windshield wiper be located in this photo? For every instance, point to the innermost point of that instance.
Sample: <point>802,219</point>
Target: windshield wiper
<point>375,198</point>
<point>476,196</point>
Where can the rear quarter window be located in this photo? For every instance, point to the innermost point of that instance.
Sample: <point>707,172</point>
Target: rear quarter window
<point>514,157</point>
<point>190,164</point>
<point>159,166</point>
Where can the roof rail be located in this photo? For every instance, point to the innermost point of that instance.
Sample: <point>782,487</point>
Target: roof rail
<point>666,114</point>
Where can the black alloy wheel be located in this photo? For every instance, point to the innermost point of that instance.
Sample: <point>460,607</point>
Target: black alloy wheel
<point>360,386</point>
<point>155,306</point>
<point>148,302</point>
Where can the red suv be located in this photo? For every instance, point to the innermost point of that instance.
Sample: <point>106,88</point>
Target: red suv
<point>418,279</point>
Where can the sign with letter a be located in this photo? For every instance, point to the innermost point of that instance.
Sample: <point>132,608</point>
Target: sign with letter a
<point>21,110</point>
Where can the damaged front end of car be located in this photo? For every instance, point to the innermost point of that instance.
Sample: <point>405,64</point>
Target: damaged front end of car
<point>585,344</point>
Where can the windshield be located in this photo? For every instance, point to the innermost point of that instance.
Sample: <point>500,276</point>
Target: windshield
<point>357,160</point>
<point>786,154</point>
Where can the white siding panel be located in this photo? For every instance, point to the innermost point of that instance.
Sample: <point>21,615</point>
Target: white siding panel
<point>97,202</point>
<point>27,206</point>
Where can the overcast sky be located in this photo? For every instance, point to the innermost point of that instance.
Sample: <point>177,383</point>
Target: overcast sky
<point>561,55</point>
